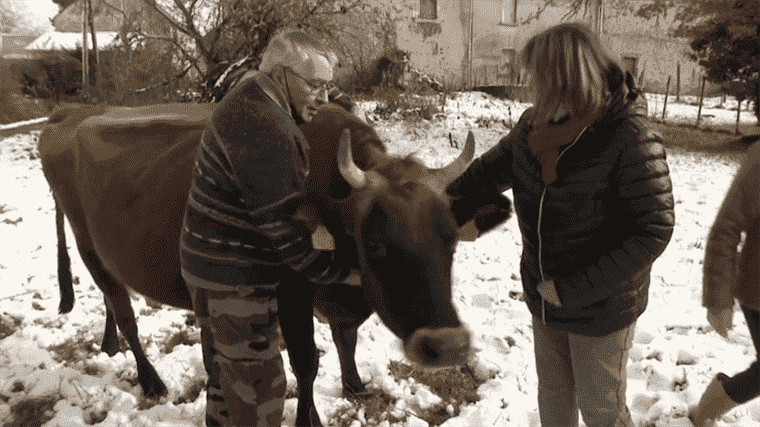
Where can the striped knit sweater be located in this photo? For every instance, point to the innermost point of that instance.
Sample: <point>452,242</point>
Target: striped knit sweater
<point>252,160</point>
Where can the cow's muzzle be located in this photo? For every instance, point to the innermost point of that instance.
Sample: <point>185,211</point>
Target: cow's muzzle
<point>440,347</point>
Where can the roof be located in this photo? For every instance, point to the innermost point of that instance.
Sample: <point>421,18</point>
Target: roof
<point>107,15</point>
<point>55,40</point>
<point>14,43</point>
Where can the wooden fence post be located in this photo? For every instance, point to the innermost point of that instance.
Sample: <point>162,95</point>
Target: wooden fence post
<point>665,105</point>
<point>678,81</point>
<point>701,98</point>
<point>725,92</point>
<point>739,113</point>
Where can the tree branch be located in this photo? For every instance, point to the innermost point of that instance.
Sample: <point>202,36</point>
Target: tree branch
<point>168,18</point>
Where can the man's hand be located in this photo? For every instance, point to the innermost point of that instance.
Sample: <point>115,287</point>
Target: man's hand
<point>549,292</point>
<point>322,240</point>
<point>721,319</point>
<point>468,232</point>
<point>354,278</point>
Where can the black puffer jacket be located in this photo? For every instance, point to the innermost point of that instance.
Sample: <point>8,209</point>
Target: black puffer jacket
<point>602,223</point>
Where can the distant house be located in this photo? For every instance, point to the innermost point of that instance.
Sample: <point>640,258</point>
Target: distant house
<point>12,45</point>
<point>108,16</point>
<point>471,43</point>
<point>110,22</point>
<point>56,40</point>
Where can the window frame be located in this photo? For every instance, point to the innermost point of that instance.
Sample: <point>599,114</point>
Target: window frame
<point>509,5</point>
<point>436,19</point>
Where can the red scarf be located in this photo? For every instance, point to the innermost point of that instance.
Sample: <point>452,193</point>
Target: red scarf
<point>546,140</point>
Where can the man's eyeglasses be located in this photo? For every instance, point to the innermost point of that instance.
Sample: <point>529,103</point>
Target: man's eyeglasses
<point>315,87</point>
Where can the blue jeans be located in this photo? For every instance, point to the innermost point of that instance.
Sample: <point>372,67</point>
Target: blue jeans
<point>580,372</point>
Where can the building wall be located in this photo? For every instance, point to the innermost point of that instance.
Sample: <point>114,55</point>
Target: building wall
<point>656,54</point>
<point>440,47</point>
<point>657,59</point>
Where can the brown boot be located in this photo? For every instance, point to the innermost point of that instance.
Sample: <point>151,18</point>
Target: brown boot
<point>713,404</point>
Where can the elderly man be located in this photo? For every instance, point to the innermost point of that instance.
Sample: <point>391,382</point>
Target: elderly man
<point>237,236</point>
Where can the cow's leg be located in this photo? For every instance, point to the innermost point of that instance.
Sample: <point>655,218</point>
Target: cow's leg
<point>65,285</point>
<point>345,337</point>
<point>110,345</point>
<point>346,309</point>
<point>119,305</point>
<point>294,301</point>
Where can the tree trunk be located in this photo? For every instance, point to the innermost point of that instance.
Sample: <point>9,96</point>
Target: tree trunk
<point>124,35</point>
<point>91,24</point>
<point>85,54</point>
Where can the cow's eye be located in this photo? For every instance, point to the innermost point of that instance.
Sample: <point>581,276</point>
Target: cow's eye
<point>376,250</point>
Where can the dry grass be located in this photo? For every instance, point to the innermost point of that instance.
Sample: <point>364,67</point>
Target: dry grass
<point>33,411</point>
<point>718,140</point>
<point>456,386</point>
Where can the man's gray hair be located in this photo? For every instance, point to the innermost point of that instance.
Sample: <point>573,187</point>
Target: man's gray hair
<point>295,50</point>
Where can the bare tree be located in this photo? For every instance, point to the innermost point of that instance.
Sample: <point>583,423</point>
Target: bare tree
<point>242,28</point>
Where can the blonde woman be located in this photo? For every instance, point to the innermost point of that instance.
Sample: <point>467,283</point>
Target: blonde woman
<point>729,274</point>
<point>594,201</point>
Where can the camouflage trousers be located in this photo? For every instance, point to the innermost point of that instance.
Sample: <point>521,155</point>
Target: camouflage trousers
<point>240,338</point>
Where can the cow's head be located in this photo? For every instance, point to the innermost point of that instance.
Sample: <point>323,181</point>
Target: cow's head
<point>400,217</point>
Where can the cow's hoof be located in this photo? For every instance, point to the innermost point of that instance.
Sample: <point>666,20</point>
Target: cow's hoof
<point>153,387</point>
<point>355,392</point>
<point>66,304</point>
<point>154,390</point>
<point>309,420</point>
<point>110,344</point>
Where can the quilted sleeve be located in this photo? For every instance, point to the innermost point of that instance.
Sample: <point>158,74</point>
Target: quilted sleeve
<point>491,172</point>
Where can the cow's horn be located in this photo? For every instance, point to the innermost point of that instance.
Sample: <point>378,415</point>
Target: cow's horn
<point>351,173</point>
<point>448,174</point>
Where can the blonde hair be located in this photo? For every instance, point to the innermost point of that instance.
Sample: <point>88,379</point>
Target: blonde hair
<point>570,68</point>
<point>295,50</point>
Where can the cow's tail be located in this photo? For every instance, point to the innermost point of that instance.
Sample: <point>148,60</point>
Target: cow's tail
<point>64,263</point>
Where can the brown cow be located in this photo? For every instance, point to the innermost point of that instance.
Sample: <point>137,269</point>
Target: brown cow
<point>122,175</point>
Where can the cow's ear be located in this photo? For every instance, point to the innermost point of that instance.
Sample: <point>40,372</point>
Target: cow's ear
<point>494,212</point>
<point>484,211</point>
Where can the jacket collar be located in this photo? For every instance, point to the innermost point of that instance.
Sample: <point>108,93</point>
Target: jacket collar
<point>627,101</point>
<point>268,86</point>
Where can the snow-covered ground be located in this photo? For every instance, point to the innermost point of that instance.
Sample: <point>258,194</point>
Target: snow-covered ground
<point>674,356</point>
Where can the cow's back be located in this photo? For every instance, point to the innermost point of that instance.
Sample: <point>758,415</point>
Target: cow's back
<point>122,175</point>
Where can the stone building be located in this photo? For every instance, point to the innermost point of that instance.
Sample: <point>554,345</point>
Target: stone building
<point>472,43</point>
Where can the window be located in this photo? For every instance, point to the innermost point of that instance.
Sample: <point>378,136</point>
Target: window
<point>508,12</point>
<point>429,9</point>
